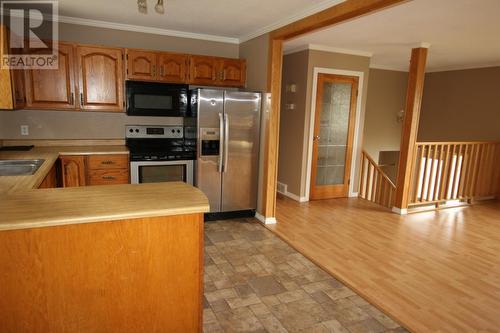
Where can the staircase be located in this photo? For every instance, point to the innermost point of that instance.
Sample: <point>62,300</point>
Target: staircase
<point>375,185</point>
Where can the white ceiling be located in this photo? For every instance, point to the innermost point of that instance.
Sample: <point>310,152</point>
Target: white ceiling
<point>462,34</point>
<point>224,20</point>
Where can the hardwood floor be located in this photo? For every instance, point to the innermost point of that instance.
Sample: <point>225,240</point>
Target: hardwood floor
<point>434,271</point>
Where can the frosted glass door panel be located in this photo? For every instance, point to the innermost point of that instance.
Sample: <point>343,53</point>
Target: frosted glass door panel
<point>333,133</point>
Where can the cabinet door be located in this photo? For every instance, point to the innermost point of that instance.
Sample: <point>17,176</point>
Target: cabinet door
<point>172,67</point>
<point>73,171</point>
<point>202,70</point>
<point>100,76</point>
<point>19,89</point>
<point>141,65</point>
<point>232,72</point>
<point>54,88</point>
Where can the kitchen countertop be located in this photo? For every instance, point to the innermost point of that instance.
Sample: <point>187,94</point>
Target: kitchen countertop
<point>23,205</point>
<point>10,184</point>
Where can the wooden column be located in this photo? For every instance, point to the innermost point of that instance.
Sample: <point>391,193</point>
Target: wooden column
<point>410,127</point>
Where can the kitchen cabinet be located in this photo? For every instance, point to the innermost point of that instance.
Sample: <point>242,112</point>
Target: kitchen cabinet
<point>216,71</point>
<point>172,67</point>
<point>156,66</point>
<point>100,78</point>
<point>232,72</point>
<point>50,181</point>
<point>73,171</point>
<point>96,169</point>
<point>107,169</point>
<point>54,88</point>
<point>202,70</point>
<point>12,95</point>
<point>141,65</point>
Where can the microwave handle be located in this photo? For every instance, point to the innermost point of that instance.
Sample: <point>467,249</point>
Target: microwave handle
<point>221,142</point>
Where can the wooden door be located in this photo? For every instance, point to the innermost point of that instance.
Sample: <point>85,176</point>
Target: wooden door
<point>100,76</point>
<point>232,72</point>
<point>333,136</point>
<point>54,88</point>
<point>202,70</point>
<point>73,171</point>
<point>141,65</point>
<point>172,67</point>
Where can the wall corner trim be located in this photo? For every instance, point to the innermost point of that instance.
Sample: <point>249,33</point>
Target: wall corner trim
<point>265,220</point>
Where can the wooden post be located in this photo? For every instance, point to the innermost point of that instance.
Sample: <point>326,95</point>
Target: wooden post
<point>410,128</point>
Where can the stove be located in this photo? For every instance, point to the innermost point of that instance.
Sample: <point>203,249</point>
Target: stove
<point>161,143</point>
<point>161,153</point>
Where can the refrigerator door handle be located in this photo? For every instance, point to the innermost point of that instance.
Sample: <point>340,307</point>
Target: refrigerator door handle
<point>221,143</point>
<point>226,141</point>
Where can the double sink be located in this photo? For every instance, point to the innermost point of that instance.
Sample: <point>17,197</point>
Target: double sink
<point>19,167</point>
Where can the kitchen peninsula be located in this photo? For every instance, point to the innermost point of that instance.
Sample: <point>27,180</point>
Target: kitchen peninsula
<point>110,258</point>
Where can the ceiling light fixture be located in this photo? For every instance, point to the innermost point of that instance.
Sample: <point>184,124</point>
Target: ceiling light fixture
<point>142,6</point>
<point>159,8</point>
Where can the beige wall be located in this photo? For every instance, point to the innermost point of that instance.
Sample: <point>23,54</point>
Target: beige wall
<point>296,177</point>
<point>89,125</point>
<point>461,106</point>
<point>292,122</point>
<point>386,97</point>
<point>256,52</point>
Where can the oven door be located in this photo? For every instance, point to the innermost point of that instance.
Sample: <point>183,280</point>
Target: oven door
<point>164,171</point>
<point>156,99</point>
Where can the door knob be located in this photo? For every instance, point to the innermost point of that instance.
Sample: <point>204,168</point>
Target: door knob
<point>316,137</point>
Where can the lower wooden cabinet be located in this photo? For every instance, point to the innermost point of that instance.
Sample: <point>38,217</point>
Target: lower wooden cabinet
<point>50,181</point>
<point>94,170</point>
<point>73,171</point>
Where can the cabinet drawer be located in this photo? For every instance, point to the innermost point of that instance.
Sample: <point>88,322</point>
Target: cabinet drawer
<point>102,162</point>
<point>108,177</point>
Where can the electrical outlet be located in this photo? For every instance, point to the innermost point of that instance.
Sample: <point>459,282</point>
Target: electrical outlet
<point>25,130</point>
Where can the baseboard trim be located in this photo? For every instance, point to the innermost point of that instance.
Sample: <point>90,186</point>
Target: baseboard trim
<point>265,220</point>
<point>294,196</point>
<point>400,211</point>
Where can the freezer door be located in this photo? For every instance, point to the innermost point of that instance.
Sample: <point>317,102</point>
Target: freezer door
<point>209,148</point>
<point>241,159</point>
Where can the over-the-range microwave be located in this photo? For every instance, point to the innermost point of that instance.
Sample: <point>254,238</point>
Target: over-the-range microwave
<point>157,99</point>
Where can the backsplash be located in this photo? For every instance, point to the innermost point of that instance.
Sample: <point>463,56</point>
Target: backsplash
<point>72,125</point>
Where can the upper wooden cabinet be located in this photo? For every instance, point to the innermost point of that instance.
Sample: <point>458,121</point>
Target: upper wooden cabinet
<point>172,67</point>
<point>54,88</point>
<point>141,65</point>
<point>156,66</point>
<point>232,72</point>
<point>100,78</point>
<point>217,71</point>
<point>202,70</point>
<point>12,94</point>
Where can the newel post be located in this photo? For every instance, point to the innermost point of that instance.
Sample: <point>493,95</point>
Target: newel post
<point>410,128</point>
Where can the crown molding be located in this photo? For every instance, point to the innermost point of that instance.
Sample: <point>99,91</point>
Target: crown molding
<point>300,15</point>
<point>463,67</point>
<point>326,48</point>
<point>388,68</point>
<point>143,29</point>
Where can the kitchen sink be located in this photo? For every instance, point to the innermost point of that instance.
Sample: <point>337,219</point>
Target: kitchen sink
<point>19,167</point>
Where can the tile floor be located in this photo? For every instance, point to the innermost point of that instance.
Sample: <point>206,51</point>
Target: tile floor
<point>255,282</point>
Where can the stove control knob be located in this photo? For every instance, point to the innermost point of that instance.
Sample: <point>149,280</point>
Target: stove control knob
<point>137,130</point>
<point>178,131</point>
<point>131,130</point>
<point>173,131</point>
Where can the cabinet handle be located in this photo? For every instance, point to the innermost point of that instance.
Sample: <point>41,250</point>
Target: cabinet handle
<point>81,99</point>
<point>154,70</point>
<point>107,162</point>
<point>108,177</point>
<point>72,98</point>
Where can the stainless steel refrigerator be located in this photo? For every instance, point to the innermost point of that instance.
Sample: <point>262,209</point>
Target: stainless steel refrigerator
<point>227,163</point>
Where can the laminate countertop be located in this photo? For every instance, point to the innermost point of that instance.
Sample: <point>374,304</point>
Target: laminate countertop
<point>23,205</point>
<point>10,184</point>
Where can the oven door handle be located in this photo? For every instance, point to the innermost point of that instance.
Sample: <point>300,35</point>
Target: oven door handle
<point>221,142</point>
<point>226,141</point>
